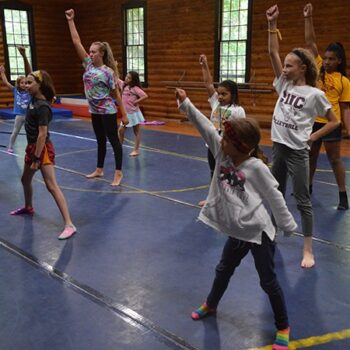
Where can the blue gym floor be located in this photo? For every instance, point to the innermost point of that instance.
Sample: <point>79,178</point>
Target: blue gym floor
<point>141,262</point>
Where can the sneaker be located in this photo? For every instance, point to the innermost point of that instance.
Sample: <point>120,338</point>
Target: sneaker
<point>203,311</point>
<point>68,232</point>
<point>22,211</point>
<point>343,201</point>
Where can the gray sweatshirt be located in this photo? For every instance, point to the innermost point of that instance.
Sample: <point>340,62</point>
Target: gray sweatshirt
<point>236,201</point>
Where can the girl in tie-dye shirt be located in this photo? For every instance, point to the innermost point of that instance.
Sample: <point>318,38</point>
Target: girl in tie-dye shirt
<point>99,82</point>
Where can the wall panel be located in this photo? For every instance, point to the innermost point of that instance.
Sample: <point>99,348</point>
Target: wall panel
<point>178,32</point>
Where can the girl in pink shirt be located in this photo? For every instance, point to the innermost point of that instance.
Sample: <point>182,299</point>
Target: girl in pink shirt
<point>132,95</point>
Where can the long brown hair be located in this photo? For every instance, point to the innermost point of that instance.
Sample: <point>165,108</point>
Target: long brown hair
<point>246,134</point>
<point>46,85</point>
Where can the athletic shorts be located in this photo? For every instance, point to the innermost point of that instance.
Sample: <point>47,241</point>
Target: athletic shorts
<point>334,135</point>
<point>47,156</point>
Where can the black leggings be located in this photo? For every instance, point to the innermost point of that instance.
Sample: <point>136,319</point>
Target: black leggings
<point>105,126</point>
<point>234,251</point>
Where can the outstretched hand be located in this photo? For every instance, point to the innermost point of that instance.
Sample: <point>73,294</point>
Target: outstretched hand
<point>203,60</point>
<point>21,50</point>
<point>272,13</point>
<point>69,14</point>
<point>308,10</point>
<point>180,95</point>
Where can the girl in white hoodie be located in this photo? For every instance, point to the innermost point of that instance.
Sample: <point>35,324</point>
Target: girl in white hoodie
<point>240,185</point>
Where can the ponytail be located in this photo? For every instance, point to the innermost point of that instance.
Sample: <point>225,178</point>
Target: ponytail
<point>108,58</point>
<point>258,153</point>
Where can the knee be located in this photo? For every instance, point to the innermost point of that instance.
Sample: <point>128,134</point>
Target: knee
<point>224,269</point>
<point>270,287</point>
<point>305,208</point>
<point>335,161</point>
<point>52,188</point>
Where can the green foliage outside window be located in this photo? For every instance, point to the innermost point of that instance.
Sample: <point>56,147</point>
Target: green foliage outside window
<point>135,59</point>
<point>17,34</point>
<point>233,40</point>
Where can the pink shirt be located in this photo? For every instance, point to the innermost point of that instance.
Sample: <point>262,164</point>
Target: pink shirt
<point>129,96</point>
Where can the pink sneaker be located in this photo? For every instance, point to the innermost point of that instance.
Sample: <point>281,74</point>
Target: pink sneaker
<point>22,211</point>
<point>10,150</point>
<point>68,232</point>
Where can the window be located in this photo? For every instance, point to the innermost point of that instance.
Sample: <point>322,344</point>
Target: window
<point>233,43</point>
<point>16,26</point>
<point>135,39</point>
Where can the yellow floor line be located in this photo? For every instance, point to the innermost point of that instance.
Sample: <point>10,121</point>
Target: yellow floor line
<point>313,341</point>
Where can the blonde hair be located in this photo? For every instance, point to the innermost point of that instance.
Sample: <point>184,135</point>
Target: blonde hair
<point>311,73</point>
<point>108,58</point>
<point>18,81</point>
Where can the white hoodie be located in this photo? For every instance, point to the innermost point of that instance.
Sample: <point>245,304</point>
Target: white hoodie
<point>235,203</point>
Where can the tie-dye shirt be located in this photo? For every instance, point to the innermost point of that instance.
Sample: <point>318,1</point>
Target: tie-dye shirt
<point>98,84</point>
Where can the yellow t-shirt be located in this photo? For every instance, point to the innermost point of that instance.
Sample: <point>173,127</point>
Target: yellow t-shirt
<point>337,89</point>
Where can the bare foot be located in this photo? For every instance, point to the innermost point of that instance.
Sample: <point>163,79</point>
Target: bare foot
<point>118,176</point>
<point>96,173</point>
<point>308,260</point>
<point>202,203</point>
<point>134,153</point>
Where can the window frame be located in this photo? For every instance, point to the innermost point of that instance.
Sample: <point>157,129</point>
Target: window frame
<point>218,26</point>
<point>16,5</point>
<point>127,6</point>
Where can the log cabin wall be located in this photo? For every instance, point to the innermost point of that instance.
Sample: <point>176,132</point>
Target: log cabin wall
<point>54,51</point>
<point>178,32</point>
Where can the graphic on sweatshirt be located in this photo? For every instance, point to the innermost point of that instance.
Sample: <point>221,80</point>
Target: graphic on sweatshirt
<point>232,177</point>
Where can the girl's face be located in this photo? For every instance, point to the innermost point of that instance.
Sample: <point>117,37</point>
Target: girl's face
<point>22,84</point>
<point>32,86</point>
<point>128,79</point>
<point>96,55</point>
<point>331,62</point>
<point>224,96</point>
<point>293,68</point>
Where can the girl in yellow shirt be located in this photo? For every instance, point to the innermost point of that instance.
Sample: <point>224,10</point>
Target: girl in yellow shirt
<point>335,84</point>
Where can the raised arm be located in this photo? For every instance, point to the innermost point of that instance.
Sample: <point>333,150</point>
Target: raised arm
<point>4,78</point>
<point>75,35</point>
<point>310,37</point>
<point>272,15</point>
<point>27,66</point>
<point>207,78</point>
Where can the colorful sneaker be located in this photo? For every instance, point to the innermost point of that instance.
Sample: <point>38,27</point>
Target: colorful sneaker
<point>203,311</point>
<point>68,232</point>
<point>22,211</point>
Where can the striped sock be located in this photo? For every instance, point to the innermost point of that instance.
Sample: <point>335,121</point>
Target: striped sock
<point>282,339</point>
<point>202,311</point>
